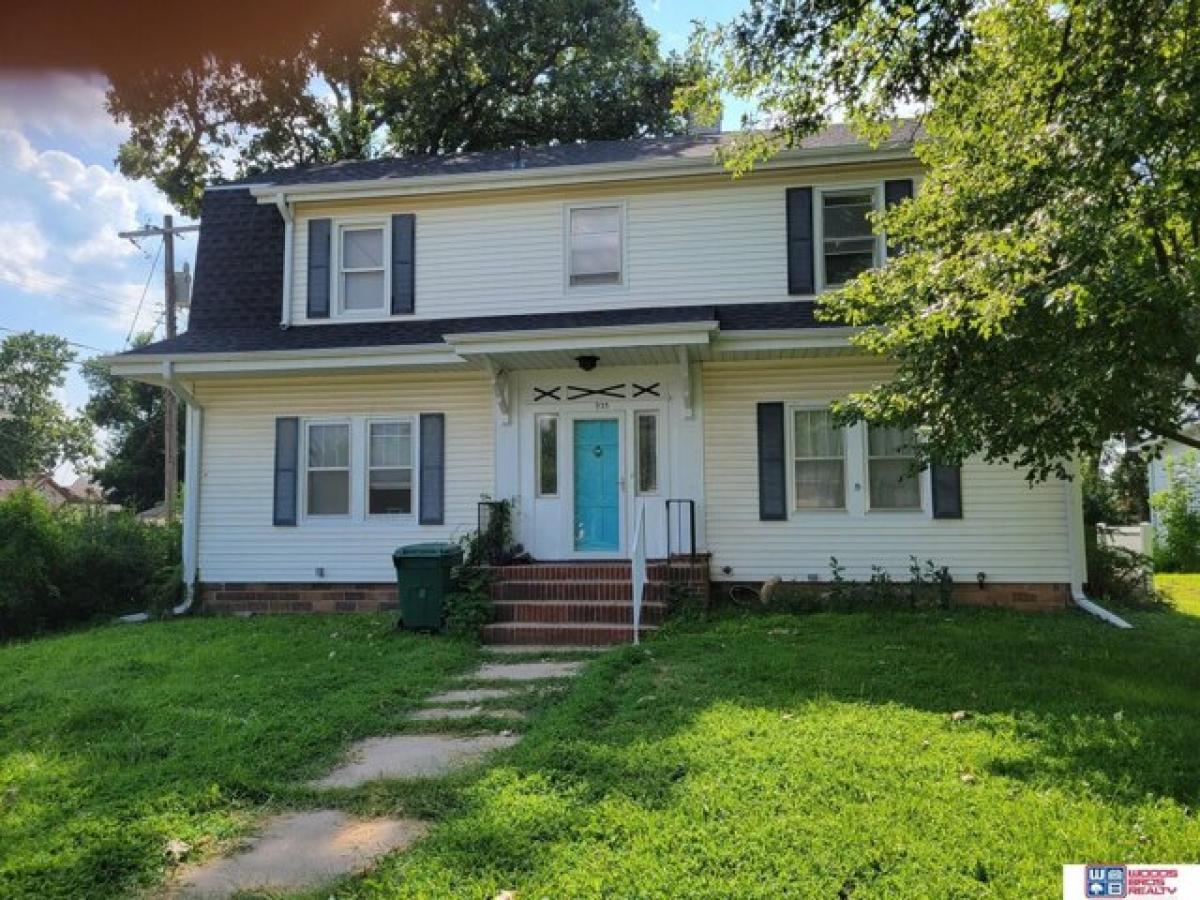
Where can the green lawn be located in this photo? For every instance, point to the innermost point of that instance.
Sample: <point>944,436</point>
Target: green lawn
<point>116,740</point>
<point>807,756</point>
<point>1183,590</point>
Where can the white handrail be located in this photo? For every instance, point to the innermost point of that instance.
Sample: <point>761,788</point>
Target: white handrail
<point>637,561</point>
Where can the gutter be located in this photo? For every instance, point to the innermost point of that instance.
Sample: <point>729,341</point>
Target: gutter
<point>285,315</point>
<point>1091,606</point>
<point>1078,553</point>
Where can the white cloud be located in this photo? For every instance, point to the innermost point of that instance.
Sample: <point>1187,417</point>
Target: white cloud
<point>61,107</point>
<point>58,240</point>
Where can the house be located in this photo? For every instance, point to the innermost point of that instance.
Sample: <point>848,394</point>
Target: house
<point>600,333</point>
<point>49,489</point>
<point>1175,460</point>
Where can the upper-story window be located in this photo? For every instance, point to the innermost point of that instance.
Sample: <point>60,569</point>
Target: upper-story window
<point>848,245</point>
<point>362,261</point>
<point>595,239</point>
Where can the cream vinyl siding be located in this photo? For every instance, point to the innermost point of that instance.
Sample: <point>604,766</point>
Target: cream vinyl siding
<point>1009,531</point>
<point>707,240</point>
<point>238,541</point>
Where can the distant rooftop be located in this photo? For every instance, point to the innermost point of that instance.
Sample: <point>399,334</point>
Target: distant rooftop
<point>695,147</point>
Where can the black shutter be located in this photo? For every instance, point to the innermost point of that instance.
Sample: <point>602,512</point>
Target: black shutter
<point>800,241</point>
<point>404,229</point>
<point>287,458</point>
<point>433,469</point>
<point>895,191</point>
<point>947,491</point>
<point>772,471</point>
<point>319,253</point>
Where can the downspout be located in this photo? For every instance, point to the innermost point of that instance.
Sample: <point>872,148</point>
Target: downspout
<point>193,444</point>
<point>285,313</point>
<point>1078,555</point>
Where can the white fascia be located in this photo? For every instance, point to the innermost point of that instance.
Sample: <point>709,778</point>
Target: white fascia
<point>668,334</point>
<point>594,173</point>
<point>783,339</point>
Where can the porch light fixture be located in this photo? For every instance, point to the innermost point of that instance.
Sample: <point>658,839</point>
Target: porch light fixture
<point>587,362</point>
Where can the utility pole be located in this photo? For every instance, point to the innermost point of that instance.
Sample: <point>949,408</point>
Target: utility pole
<point>170,404</point>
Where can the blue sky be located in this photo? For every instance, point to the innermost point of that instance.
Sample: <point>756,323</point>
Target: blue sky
<point>63,270</point>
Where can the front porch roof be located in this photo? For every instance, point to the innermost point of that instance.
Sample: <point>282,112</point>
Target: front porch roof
<point>620,336</point>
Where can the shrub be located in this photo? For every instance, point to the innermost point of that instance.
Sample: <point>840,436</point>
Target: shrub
<point>68,566</point>
<point>929,586</point>
<point>1177,537</point>
<point>1118,576</point>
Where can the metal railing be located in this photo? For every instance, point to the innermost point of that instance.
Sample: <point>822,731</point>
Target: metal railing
<point>637,561</point>
<point>684,514</point>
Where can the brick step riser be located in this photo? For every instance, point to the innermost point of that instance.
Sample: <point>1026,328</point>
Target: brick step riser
<point>574,591</point>
<point>685,572</point>
<point>569,636</point>
<point>577,613</point>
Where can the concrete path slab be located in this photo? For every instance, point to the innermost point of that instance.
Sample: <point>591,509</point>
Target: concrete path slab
<point>474,695</point>
<point>436,713</point>
<point>411,756</point>
<point>533,671</point>
<point>300,850</point>
<point>514,649</point>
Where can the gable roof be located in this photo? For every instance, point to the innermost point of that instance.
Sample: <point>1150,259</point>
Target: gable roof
<point>699,148</point>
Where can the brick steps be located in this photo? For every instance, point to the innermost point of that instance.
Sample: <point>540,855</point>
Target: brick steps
<point>576,591</point>
<point>576,612</point>
<point>560,633</point>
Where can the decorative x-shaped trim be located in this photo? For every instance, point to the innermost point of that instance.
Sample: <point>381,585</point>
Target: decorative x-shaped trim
<point>616,392</point>
<point>546,394</point>
<point>642,390</point>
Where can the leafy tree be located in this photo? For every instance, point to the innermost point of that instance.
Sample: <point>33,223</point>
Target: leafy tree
<point>433,77</point>
<point>1046,298</point>
<point>36,432</point>
<point>132,415</point>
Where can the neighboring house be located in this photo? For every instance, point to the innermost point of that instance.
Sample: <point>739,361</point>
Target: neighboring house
<point>84,489</point>
<point>54,493</point>
<point>1157,476</point>
<point>588,330</point>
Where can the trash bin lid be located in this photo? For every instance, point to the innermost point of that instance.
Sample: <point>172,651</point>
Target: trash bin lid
<point>428,550</point>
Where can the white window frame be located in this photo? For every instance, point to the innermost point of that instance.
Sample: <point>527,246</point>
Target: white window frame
<point>537,455</point>
<point>637,448</point>
<point>308,424</point>
<point>413,437</point>
<point>876,189</point>
<point>622,282</point>
<point>922,484</point>
<point>790,409</point>
<point>340,226</point>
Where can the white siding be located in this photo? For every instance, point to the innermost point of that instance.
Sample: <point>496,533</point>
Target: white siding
<point>1010,531</point>
<point>711,240</point>
<point>238,541</point>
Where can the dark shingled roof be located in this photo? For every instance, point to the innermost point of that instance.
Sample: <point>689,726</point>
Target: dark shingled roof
<point>698,147</point>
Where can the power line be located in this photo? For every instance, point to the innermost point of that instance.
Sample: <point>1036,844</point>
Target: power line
<point>145,289</point>
<point>71,343</point>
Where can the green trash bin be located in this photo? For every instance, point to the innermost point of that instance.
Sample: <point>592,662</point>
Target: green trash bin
<point>423,581</point>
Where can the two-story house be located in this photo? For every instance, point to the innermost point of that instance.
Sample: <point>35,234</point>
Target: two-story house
<point>590,331</point>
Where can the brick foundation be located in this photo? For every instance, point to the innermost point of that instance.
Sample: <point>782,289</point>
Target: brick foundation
<point>1030,597</point>
<point>290,597</point>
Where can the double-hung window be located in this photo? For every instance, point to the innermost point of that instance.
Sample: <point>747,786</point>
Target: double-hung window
<point>362,260</point>
<point>389,468</point>
<point>890,462</point>
<point>818,461</point>
<point>848,246</point>
<point>328,458</point>
<point>595,238</point>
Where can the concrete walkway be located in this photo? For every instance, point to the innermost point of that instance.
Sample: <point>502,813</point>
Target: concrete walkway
<point>301,851</point>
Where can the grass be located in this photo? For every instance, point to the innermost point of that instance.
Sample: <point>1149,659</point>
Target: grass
<point>767,756</point>
<point>116,740</point>
<point>1182,590</point>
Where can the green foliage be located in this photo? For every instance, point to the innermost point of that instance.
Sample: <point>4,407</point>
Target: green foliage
<point>469,606</point>
<point>1177,537</point>
<point>68,566</point>
<point>433,78</point>
<point>117,740</point>
<point>1120,577</point>
<point>929,586</point>
<point>1046,296</point>
<point>131,414</point>
<point>785,756</point>
<point>36,432</point>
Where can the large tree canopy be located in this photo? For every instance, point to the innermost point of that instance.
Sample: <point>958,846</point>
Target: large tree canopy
<point>1048,293</point>
<point>36,432</point>
<point>434,77</point>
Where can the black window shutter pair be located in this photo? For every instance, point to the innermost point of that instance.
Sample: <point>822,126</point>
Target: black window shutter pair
<point>801,242</point>
<point>320,264</point>
<point>432,489</point>
<point>772,472</point>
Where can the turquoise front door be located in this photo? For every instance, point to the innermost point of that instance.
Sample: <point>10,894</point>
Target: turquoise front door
<point>597,470</point>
